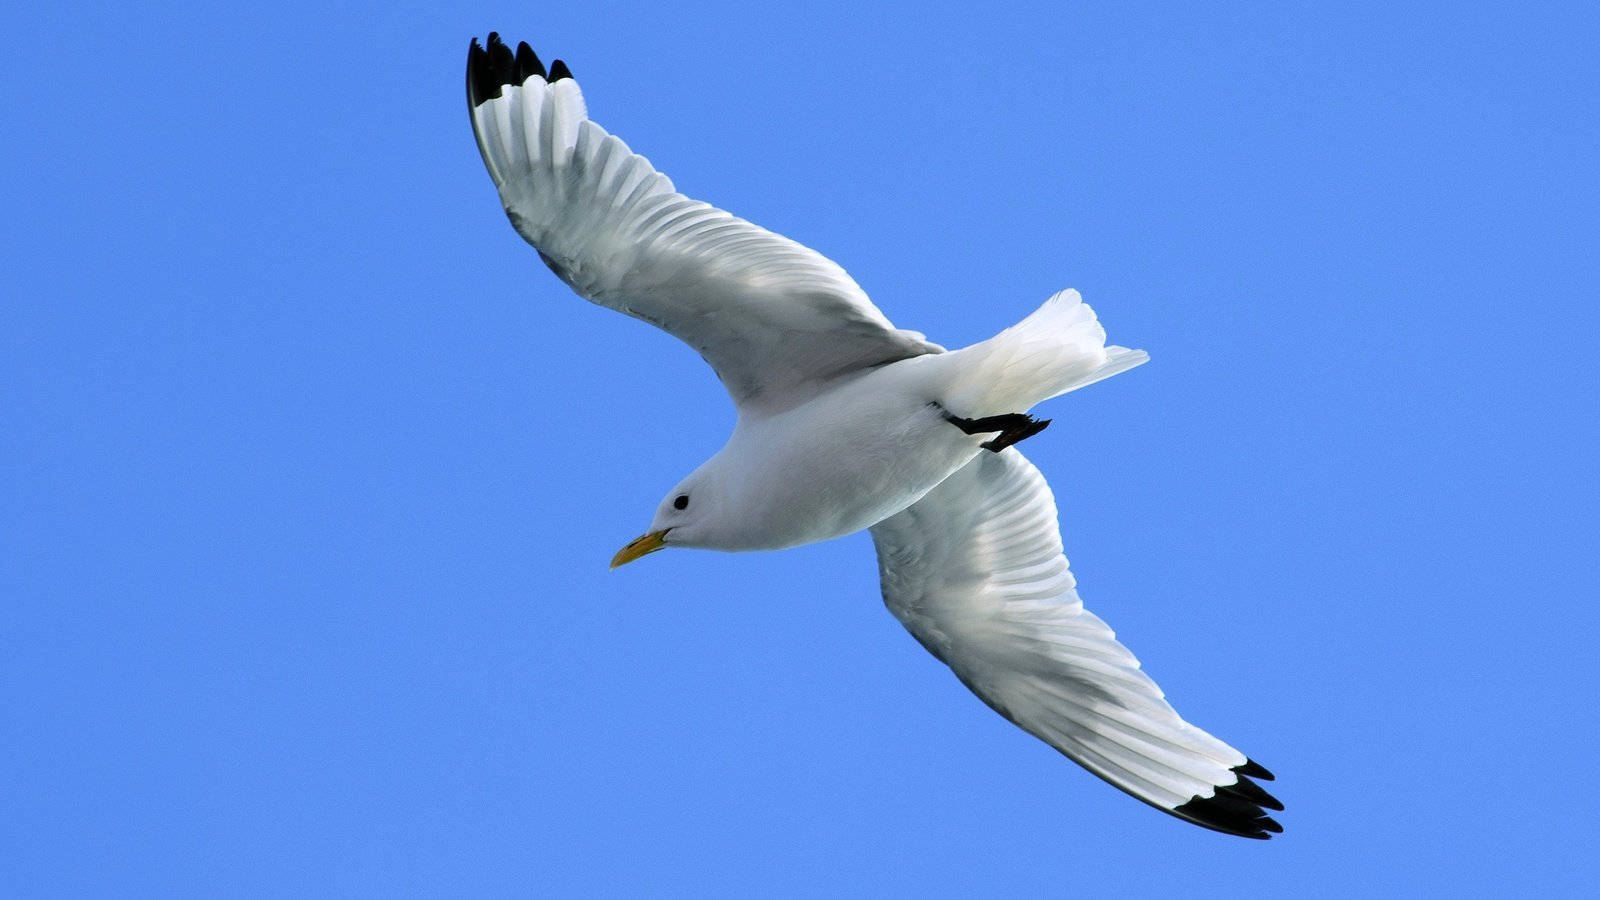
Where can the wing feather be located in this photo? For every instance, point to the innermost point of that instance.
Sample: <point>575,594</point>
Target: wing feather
<point>776,320</point>
<point>975,571</point>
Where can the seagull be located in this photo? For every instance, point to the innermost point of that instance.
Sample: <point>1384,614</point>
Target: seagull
<point>846,423</point>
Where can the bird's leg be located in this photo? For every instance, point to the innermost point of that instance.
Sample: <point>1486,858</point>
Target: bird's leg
<point>1012,427</point>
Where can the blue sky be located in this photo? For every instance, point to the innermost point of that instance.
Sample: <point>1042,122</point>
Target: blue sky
<point>312,470</point>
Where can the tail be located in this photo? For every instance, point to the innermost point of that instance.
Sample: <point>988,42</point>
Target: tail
<point>1059,348</point>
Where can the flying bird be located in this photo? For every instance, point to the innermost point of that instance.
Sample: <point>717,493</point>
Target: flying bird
<point>846,422</point>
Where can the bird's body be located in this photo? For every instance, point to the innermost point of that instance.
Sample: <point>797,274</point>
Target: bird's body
<point>872,443</point>
<point>847,423</point>
<point>863,450</point>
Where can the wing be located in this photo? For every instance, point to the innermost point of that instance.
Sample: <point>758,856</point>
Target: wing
<point>974,569</point>
<point>774,319</point>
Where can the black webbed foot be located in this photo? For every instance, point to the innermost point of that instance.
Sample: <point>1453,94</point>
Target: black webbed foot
<point>1015,435</point>
<point>1012,427</point>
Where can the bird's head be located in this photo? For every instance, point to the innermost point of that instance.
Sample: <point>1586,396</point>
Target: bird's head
<point>686,517</point>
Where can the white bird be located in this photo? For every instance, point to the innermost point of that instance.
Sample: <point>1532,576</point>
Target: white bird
<point>845,423</point>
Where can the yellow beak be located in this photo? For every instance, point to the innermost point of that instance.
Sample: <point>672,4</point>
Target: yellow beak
<point>640,546</point>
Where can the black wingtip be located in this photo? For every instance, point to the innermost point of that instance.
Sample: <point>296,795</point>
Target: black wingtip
<point>1238,808</point>
<point>528,63</point>
<point>501,60</point>
<point>1255,770</point>
<point>480,86</point>
<point>1249,791</point>
<point>493,65</point>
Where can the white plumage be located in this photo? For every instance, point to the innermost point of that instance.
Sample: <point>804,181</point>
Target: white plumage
<point>976,572</point>
<point>846,422</point>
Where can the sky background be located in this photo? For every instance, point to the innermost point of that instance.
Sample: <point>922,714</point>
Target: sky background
<point>311,471</point>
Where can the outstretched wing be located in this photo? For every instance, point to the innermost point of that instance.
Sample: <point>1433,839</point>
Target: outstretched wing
<point>774,319</point>
<point>975,571</point>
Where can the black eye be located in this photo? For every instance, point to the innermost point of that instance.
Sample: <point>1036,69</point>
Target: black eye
<point>681,502</point>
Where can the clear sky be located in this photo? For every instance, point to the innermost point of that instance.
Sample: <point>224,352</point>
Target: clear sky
<point>311,471</point>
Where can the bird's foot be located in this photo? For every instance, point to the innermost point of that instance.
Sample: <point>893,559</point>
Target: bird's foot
<point>1011,436</point>
<point>1012,427</point>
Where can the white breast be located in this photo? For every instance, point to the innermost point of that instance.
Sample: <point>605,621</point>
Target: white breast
<point>839,464</point>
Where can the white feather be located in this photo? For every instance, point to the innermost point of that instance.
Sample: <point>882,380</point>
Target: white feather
<point>975,571</point>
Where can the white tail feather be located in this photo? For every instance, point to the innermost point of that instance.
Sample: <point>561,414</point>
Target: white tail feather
<point>1059,348</point>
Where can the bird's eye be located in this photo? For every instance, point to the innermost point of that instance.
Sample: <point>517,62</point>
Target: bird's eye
<point>681,502</point>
